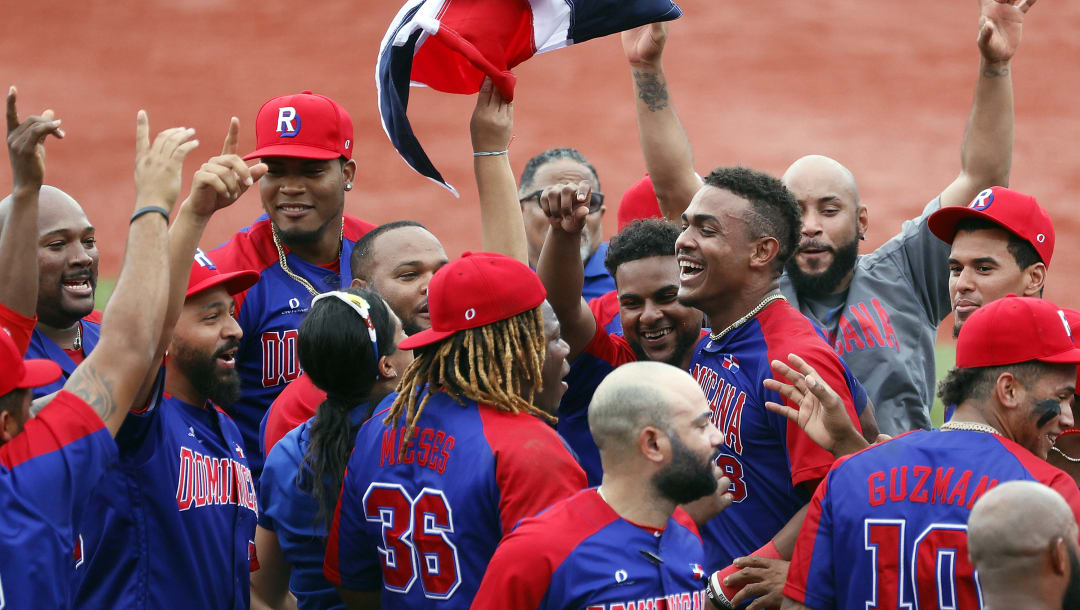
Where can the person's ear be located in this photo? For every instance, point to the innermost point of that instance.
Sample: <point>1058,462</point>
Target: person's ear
<point>763,251</point>
<point>9,425</point>
<point>1059,557</point>
<point>653,444</point>
<point>1035,280</point>
<point>386,368</point>
<point>1008,390</point>
<point>358,283</point>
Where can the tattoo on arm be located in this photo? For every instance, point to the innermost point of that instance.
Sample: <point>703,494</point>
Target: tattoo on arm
<point>652,90</point>
<point>998,72</point>
<point>96,389</point>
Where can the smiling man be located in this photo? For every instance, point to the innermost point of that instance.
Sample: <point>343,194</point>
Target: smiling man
<point>301,247</point>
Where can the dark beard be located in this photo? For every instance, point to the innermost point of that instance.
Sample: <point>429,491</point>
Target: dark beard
<point>300,238</point>
<point>825,282</point>
<point>201,372</point>
<point>1071,600</point>
<point>685,478</point>
<point>683,343</point>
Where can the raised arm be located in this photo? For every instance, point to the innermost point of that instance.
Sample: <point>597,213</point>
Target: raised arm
<point>559,266</point>
<point>216,185</point>
<point>500,213</point>
<point>986,152</point>
<point>112,374</point>
<point>668,156</point>
<point>18,241</point>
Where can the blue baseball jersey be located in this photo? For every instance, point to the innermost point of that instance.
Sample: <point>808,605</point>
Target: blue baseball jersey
<point>423,525</point>
<point>765,456</point>
<point>44,347</point>
<point>580,554</point>
<point>291,512</point>
<point>173,524</point>
<point>887,528</point>
<point>597,279</point>
<point>270,312</point>
<point>47,473</point>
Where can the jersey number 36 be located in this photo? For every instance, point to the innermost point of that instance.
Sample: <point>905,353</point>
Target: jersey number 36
<point>415,539</point>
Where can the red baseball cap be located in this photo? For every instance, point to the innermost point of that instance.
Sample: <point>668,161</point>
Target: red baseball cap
<point>1016,329</point>
<point>639,201</point>
<point>19,373</point>
<point>205,275</point>
<point>1013,211</point>
<point>1073,318</point>
<point>305,125</point>
<point>475,290</point>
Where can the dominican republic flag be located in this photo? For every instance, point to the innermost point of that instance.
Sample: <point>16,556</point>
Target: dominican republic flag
<point>731,363</point>
<point>451,45</point>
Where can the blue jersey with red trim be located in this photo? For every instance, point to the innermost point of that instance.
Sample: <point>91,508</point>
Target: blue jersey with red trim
<point>47,473</point>
<point>763,454</point>
<point>270,312</point>
<point>291,512</point>
<point>173,524</point>
<point>597,279</point>
<point>44,347</point>
<point>580,554</point>
<point>423,526</point>
<point>888,527</point>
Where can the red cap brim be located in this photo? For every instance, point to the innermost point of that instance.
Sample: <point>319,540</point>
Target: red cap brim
<point>235,282</point>
<point>425,337</point>
<point>39,372</point>
<point>1069,356</point>
<point>300,151</point>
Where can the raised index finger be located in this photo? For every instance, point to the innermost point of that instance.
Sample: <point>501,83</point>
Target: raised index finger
<point>232,138</point>
<point>142,133</point>
<point>12,113</point>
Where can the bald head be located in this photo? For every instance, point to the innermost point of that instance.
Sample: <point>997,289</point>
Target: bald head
<point>816,176</point>
<point>636,395</point>
<point>52,202</point>
<point>1015,523</point>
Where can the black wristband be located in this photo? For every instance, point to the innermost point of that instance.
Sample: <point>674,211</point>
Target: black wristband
<point>147,210</point>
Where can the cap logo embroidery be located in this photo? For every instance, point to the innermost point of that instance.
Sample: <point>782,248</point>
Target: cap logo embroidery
<point>620,576</point>
<point>982,200</point>
<point>288,122</point>
<point>347,142</point>
<point>203,259</point>
<point>1040,238</point>
<point>470,313</point>
<point>1065,323</point>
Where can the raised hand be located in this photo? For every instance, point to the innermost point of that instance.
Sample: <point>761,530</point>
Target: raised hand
<point>645,45</point>
<point>1001,24</point>
<point>567,205</point>
<point>760,577</point>
<point>26,145</point>
<point>158,165</point>
<point>821,413</point>
<point>224,178</point>
<point>492,120</point>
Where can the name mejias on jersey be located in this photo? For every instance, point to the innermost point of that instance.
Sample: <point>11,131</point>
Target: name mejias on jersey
<point>208,481</point>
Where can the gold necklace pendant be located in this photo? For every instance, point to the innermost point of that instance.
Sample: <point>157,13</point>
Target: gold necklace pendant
<point>76,345</point>
<point>285,265</point>
<point>776,296</point>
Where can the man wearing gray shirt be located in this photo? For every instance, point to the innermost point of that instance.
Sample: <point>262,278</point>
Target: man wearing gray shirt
<point>880,311</point>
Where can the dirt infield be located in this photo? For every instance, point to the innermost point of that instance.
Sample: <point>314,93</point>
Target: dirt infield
<point>884,87</point>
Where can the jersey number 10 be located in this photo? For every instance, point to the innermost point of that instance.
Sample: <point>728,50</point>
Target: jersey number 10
<point>937,569</point>
<point>415,539</point>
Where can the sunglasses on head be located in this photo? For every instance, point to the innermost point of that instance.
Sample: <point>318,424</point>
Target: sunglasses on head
<point>596,200</point>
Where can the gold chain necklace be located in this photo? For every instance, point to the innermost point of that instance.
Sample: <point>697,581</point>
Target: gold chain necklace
<point>970,426</point>
<point>285,266</point>
<point>1065,455</point>
<point>776,296</point>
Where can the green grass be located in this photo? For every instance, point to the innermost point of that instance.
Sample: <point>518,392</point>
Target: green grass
<point>945,355</point>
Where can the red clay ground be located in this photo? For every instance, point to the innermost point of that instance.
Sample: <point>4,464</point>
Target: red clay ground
<point>884,87</point>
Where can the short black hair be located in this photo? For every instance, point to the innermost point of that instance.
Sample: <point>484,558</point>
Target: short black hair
<point>774,211</point>
<point>553,154</point>
<point>1021,249</point>
<point>961,384</point>
<point>12,402</point>
<point>642,238</point>
<point>360,261</point>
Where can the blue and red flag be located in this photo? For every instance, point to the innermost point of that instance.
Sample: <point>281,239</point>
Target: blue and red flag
<point>451,45</point>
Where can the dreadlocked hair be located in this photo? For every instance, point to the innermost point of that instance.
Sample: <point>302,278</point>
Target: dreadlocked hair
<point>498,364</point>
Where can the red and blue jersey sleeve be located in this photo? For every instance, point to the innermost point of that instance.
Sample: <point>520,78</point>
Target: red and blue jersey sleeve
<point>789,332</point>
<point>18,326</point>
<point>610,348</point>
<point>810,575</point>
<point>295,405</point>
<point>525,489</point>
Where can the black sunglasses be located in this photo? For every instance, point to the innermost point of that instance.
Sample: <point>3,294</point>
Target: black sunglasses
<point>596,200</point>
